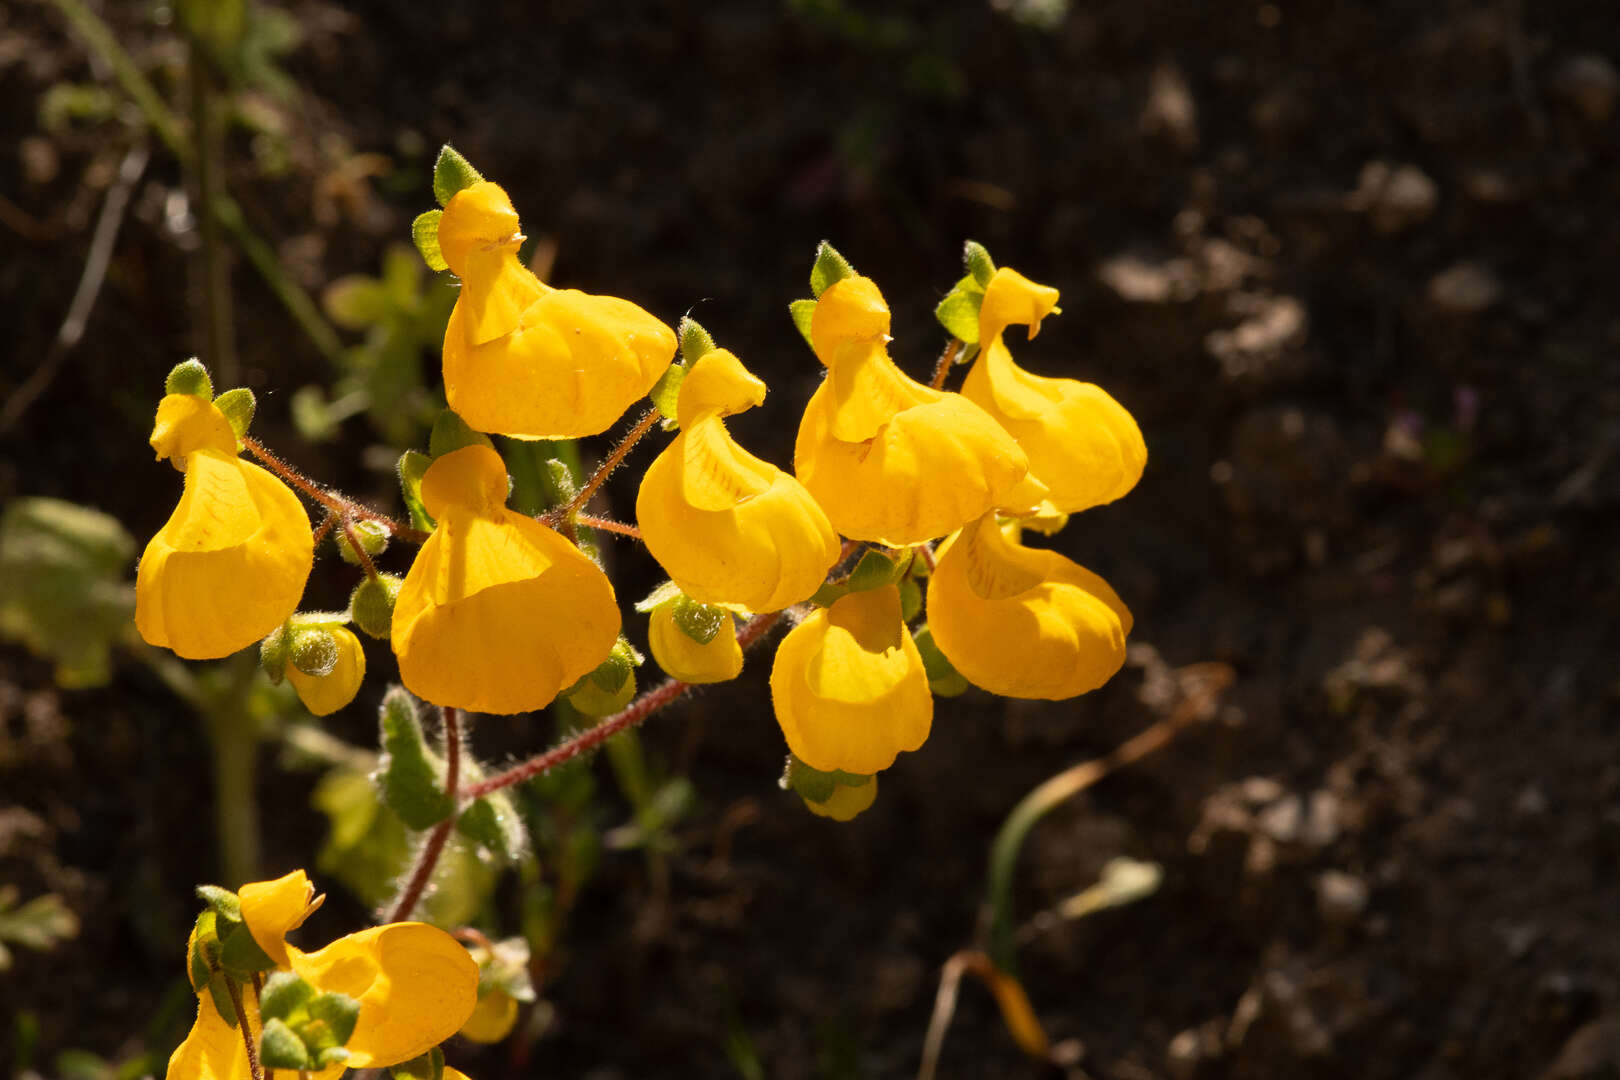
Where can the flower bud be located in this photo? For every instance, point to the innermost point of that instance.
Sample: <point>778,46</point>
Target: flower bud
<point>274,652</point>
<point>373,537</point>
<point>371,605</point>
<point>695,643</point>
<point>313,650</point>
<point>846,802</point>
<point>326,694</point>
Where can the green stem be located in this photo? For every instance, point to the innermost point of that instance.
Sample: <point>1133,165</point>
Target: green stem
<point>235,744</point>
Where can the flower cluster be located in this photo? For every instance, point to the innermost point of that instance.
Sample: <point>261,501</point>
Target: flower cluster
<point>500,612</point>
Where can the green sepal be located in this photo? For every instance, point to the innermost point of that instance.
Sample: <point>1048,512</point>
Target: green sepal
<point>371,605</point>
<point>281,1048</point>
<point>409,773</point>
<point>373,537</point>
<point>666,394</point>
<point>339,1012</point>
<point>958,313</point>
<point>274,653</point>
<point>332,1055</point>
<point>313,651</point>
<point>802,312</point>
<point>980,266</point>
<point>815,785</point>
<point>425,232</point>
<point>943,678</point>
<point>412,465</point>
<point>829,594</point>
<point>700,622</point>
<point>238,405</point>
<point>222,997</point>
<point>911,599</point>
<point>429,1066</point>
<point>494,824</point>
<point>593,695</point>
<point>563,485</point>
<point>284,994</point>
<point>696,342</point>
<point>450,433</point>
<point>874,571</point>
<point>452,173</point>
<point>659,597</point>
<point>221,900</point>
<point>189,377</point>
<point>829,268</point>
<point>238,952</point>
<point>204,938</point>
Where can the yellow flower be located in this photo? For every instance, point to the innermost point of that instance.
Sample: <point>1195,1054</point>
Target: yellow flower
<point>889,459</point>
<point>326,694</point>
<point>683,657</point>
<point>849,687</point>
<point>728,527</point>
<point>1081,443</point>
<point>527,360</point>
<point>230,564</point>
<point>493,1019</point>
<point>414,983</point>
<point>1023,622</point>
<point>498,613</point>
<point>846,802</point>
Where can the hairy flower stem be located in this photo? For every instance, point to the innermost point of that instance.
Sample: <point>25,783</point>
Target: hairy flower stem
<point>428,858</point>
<point>603,471</point>
<point>340,505</point>
<point>249,1042</point>
<point>632,714</point>
<point>591,521</point>
<point>947,359</point>
<point>359,550</point>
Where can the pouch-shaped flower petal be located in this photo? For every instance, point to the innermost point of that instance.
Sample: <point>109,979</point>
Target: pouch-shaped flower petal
<point>212,1050</point>
<point>498,613</point>
<point>230,564</point>
<point>326,694</point>
<point>849,687</point>
<point>889,459</point>
<point>274,909</point>
<point>527,360</point>
<point>416,986</point>
<point>728,527</point>
<point>683,657</point>
<point>846,802</point>
<point>1081,443</point>
<point>1023,622</point>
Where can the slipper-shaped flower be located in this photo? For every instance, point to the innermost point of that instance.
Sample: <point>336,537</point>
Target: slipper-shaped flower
<point>849,686</point>
<point>728,527</point>
<point>229,566</point>
<point>325,694</point>
<point>889,459</point>
<point>1023,622</point>
<point>1081,443</point>
<point>498,613</point>
<point>527,360</point>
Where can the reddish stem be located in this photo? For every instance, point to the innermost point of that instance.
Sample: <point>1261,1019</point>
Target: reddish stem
<point>633,714</point>
<point>354,542</point>
<point>942,367</point>
<point>428,859</point>
<point>614,459</point>
<point>340,505</point>
<point>591,521</point>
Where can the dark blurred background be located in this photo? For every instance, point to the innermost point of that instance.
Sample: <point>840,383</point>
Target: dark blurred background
<point>1350,265</point>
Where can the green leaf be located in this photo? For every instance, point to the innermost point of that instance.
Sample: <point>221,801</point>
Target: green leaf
<point>238,405</point>
<point>221,900</point>
<point>452,173</point>
<point>659,597</point>
<point>425,232</point>
<point>412,466</point>
<point>911,599</point>
<point>830,267</point>
<point>189,377</point>
<point>958,313</point>
<point>829,594</point>
<point>63,590</point>
<point>203,938</point>
<point>943,679</point>
<point>696,342</point>
<point>666,393</point>
<point>980,267</point>
<point>494,824</point>
<point>451,433</point>
<point>340,1012</point>
<point>40,924</point>
<point>239,952</point>
<point>411,776</point>
<point>222,998</point>
<point>802,312</point>
<point>281,1048</point>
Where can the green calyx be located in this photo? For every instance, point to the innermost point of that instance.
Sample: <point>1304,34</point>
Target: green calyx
<point>958,313</point>
<point>429,1066</point>
<point>425,234</point>
<point>815,785</point>
<point>373,537</point>
<point>451,433</point>
<point>611,686</point>
<point>452,173</point>
<point>313,650</point>
<point>696,342</point>
<point>830,267</point>
<point>238,405</point>
<point>189,377</point>
<point>700,622</point>
<point>943,678</point>
<point>303,1029</point>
